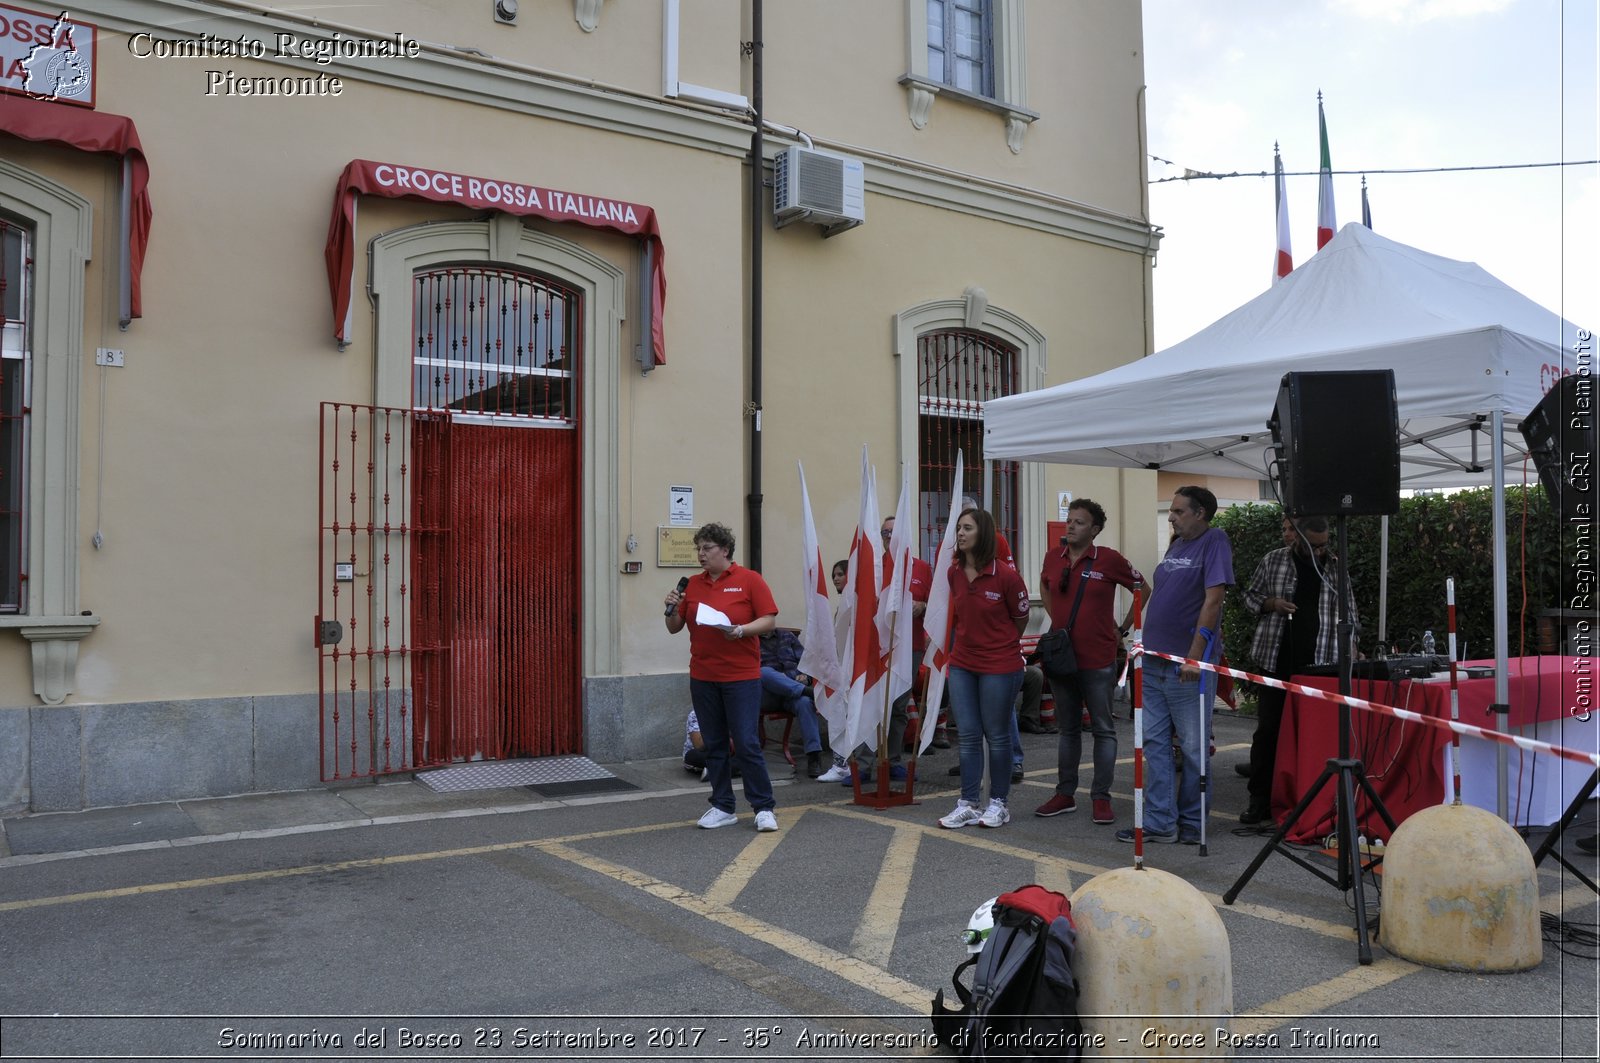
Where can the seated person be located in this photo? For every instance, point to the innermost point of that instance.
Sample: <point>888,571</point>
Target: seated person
<point>786,689</point>
<point>1029,719</point>
<point>694,747</point>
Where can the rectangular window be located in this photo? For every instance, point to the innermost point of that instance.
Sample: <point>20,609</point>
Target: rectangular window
<point>961,44</point>
<point>495,345</point>
<point>15,264</point>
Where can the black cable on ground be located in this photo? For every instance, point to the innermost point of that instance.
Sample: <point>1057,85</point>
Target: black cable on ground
<point>1580,940</point>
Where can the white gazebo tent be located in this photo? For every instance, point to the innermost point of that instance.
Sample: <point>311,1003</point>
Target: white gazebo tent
<point>1467,350</point>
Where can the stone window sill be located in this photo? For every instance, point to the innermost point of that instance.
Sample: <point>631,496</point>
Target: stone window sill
<point>55,650</point>
<point>922,90</point>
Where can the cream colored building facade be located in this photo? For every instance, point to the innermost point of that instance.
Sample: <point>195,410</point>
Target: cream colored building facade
<point>173,546</point>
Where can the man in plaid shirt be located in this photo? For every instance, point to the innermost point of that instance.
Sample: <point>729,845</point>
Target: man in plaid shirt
<point>1295,592</point>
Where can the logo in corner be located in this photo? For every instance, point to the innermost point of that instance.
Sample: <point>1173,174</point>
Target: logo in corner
<point>55,69</point>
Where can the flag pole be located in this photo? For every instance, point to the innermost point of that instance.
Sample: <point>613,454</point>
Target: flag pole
<point>1138,732</point>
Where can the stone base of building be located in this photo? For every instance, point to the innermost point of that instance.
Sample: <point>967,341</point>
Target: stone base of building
<point>69,757</point>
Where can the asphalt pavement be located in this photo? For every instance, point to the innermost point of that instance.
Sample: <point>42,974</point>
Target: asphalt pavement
<point>495,923</point>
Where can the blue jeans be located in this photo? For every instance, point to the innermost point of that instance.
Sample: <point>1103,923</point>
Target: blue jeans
<point>1087,688</point>
<point>795,699</point>
<point>732,711</point>
<point>983,704</point>
<point>1171,705</point>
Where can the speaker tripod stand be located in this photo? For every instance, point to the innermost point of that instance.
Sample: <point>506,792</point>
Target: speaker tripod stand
<point>1346,773</point>
<point>1552,841</point>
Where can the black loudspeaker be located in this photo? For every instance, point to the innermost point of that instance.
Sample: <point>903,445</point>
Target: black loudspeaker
<point>1337,438</point>
<point>1561,440</point>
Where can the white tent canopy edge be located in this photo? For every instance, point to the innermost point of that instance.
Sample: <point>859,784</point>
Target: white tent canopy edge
<point>1467,350</point>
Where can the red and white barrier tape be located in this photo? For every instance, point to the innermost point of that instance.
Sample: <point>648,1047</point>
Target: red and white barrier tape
<point>1531,745</point>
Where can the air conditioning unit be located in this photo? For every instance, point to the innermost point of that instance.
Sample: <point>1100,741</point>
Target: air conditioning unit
<point>818,187</point>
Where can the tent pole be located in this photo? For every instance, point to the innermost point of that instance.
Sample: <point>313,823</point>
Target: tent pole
<point>1383,587</point>
<point>1502,638</point>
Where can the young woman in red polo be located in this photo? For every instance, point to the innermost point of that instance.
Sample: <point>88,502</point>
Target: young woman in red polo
<point>989,603</point>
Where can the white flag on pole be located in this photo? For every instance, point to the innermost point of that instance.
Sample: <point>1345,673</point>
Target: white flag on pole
<point>936,618</point>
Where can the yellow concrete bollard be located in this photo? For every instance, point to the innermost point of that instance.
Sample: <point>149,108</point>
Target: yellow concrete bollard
<point>1154,968</point>
<point>1460,892</point>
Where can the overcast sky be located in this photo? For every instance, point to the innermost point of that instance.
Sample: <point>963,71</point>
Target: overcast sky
<point>1405,83</point>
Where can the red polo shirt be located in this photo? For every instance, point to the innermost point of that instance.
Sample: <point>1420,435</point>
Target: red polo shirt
<point>921,584</point>
<point>986,612</point>
<point>743,596</point>
<point>1094,632</point>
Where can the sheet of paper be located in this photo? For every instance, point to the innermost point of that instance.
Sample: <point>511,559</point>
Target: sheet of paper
<point>706,616</point>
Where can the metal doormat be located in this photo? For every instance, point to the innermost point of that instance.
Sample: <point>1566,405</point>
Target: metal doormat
<point>491,775</point>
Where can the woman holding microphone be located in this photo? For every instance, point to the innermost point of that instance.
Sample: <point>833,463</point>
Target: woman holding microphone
<point>725,672</point>
<point>989,605</point>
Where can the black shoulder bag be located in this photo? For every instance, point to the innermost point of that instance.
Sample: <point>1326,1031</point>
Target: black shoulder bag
<point>1056,655</point>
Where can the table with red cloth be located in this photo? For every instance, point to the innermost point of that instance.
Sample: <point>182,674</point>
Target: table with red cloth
<point>1407,762</point>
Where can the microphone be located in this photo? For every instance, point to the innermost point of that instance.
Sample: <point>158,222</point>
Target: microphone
<point>683,585</point>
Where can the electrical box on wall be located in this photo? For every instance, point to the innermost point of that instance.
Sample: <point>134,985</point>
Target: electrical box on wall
<point>818,187</point>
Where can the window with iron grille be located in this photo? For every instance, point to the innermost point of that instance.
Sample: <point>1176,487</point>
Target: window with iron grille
<point>961,44</point>
<point>958,371</point>
<point>15,262</point>
<point>495,345</point>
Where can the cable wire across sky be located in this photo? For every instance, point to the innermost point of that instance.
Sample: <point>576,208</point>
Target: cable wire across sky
<point>1207,175</point>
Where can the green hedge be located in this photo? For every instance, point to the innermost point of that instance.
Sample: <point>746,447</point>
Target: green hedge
<point>1432,537</point>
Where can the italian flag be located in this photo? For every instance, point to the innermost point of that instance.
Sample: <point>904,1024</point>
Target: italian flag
<point>1284,259</point>
<point>1325,220</point>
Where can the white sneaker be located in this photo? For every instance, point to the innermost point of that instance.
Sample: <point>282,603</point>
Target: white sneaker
<point>965,815</point>
<point>837,773</point>
<point>996,815</point>
<point>715,818</point>
<point>705,774</point>
<point>766,821</point>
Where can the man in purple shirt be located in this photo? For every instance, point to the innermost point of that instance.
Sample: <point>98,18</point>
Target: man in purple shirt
<point>1184,619</point>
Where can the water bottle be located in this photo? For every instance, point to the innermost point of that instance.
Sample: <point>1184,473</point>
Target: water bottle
<point>1428,645</point>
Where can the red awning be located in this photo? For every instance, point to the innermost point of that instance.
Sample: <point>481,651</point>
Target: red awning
<point>397,181</point>
<point>111,134</point>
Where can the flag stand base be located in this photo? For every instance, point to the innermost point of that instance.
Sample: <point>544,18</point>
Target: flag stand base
<point>878,793</point>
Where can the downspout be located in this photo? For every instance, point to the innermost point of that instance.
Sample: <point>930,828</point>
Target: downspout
<point>757,225</point>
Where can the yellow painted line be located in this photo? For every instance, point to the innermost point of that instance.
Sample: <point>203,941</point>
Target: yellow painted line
<point>1573,896</point>
<point>1323,996</point>
<point>742,868</point>
<point>310,869</point>
<point>256,876</point>
<point>1220,749</point>
<point>1052,869</point>
<point>1049,867</point>
<point>873,940</point>
<point>852,969</point>
<point>1338,931</point>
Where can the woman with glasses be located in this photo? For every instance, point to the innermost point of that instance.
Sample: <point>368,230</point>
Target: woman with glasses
<point>725,672</point>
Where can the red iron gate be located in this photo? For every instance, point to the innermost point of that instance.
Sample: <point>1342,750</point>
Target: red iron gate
<point>448,559</point>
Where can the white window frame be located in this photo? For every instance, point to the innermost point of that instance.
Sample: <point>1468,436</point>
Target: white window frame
<point>672,87</point>
<point>504,241</point>
<point>15,347</point>
<point>1009,57</point>
<point>63,241</point>
<point>973,312</point>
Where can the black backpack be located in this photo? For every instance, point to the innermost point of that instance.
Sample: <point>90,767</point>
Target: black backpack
<point>1023,1004</point>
